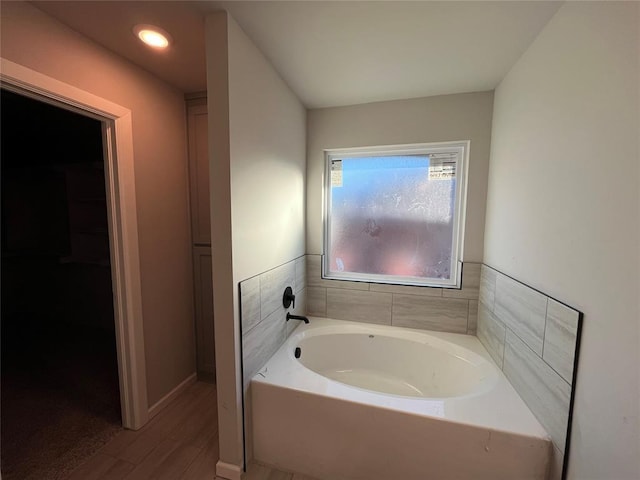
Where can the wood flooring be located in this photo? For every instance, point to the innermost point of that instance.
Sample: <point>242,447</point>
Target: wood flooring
<point>180,443</point>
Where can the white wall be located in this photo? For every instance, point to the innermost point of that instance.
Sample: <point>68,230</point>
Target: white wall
<point>268,161</point>
<point>257,157</point>
<point>419,120</point>
<point>563,210</point>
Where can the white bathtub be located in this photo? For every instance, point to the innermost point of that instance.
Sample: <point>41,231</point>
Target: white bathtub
<point>366,401</point>
<point>392,361</point>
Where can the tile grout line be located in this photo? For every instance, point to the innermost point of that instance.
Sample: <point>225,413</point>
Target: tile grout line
<point>544,330</point>
<point>504,344</point>
<point>468,313</point>
<point>536,354</point>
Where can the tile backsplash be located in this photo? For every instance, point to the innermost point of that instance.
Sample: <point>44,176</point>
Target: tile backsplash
<point>443,309</point>
<point>263,318</point>
<point>534,339</point>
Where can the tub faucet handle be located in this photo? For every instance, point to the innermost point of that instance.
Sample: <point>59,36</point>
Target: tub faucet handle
<point>288,298</point>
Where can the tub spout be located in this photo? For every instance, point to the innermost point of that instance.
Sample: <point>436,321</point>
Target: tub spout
<point>290,316</point>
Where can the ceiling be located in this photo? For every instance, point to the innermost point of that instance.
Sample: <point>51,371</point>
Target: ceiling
<point>331,52</point>
<point>110,24</point>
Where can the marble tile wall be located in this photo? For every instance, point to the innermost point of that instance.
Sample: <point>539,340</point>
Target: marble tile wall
<point>262,315</point>
<point>534,339</point>
<point>443,309</point>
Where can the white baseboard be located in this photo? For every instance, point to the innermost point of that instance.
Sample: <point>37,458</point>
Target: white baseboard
<point>228,471</point>
<point>157,407</point>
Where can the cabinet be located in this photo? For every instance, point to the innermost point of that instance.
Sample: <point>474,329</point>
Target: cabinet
<point>201,237</point>
<point>199,172</point>
<point>204,313</point>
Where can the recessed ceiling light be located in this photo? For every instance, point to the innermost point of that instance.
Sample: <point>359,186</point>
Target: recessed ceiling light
<point>153,36</point>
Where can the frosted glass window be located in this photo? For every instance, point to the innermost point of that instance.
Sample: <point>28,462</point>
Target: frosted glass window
<point>395,215</point>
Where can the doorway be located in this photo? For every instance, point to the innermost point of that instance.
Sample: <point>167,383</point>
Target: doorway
<point>117,134</point>
<point>60,388</point>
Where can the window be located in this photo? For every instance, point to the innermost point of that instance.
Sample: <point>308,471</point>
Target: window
<point>396,214</point>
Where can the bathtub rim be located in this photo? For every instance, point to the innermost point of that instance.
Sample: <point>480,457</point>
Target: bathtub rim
<point>500,409</point>
<point>441,345</point>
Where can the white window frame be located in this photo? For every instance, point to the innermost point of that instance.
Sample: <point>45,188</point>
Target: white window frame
<point>462,149</point>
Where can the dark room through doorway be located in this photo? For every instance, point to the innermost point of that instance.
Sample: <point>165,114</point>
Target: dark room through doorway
<point>59,385</point>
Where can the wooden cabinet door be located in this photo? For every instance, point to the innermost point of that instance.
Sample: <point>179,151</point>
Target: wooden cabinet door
<point>199,173</point>
<point>205,340</point>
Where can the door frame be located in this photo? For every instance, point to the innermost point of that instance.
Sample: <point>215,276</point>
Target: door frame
<point>122,219</point>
